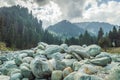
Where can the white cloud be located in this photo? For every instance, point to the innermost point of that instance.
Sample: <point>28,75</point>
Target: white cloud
<point>104,13</point>
<point>52,11</point>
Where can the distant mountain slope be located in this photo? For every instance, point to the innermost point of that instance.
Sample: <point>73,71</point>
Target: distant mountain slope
<point>94,27</point>
<point>65,29</point>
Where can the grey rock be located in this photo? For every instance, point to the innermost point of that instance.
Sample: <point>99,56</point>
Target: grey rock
<point>3,59</point>
<point>26,72</point>
<point>41,68</point>
<point>17,76</point>
<point>101,61</point>
<point>25,79</point>
<point>76,66</point>
<point>114,74</point>
<point>89,69</point>
<point>60,65</point>
<point>3,77</point>
<point>81,76</point>
<point>69,56</point>
<point>56,75</point>
<point>82,53</point>
<point>64,47</point>
<point>103,54</point>
<point>69,62</point>
<point>93,50</point>
<point>7,67</point>
<point>40,79</point>
<point>51,49</point>
<point>57,56</point>
<point>27,60</point>
<point>67,71</point>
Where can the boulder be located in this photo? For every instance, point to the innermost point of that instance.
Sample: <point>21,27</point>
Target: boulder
<point>70,76</point>
<point>114,74</point>
<point>3,77</point>
<point>17,76</point>
<point>18,60</point>
<point>116,57</point>
<point>53,62</point>
<point>69,56</point>
<point>76,66</point>
<point>57,56</point>
<point>74,47</point>
<point>69,62</point>
<point>64,47</point>
<point>3,59</point>
<point>7,67</point>
<point>27,60</point>
<point>56,75</point>
<point>89,69</point>
<point>93,50</point>
<point>26,72</point>
<point>51,49</point>
<point>82,53</point>
<point>40,79</point>
<point>14,71</point>
<point>43,44</point>
<point>41,68</point>
<point>60,65</point>
<point>28,52</point>
<point>101,61</point>
<point>81,76</point>
<point>103,54</point>
<point>25,79</point>
<point>67,71</point>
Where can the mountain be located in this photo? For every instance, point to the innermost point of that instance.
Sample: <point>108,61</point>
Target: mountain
<point>94,27</point>
<point>65,29</point>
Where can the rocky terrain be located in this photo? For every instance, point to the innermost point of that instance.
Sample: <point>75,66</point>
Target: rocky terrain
<point>60,62</point>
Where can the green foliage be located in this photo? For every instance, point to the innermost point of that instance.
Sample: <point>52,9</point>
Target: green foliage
<point>85,38</point>
<point>19,29</point>
<point>104,42</point>
<point>3,47</point>
<point>100,34</point>
<point>114,36</point>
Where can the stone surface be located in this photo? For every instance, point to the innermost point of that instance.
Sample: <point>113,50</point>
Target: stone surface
<point>56,75</point>
<point>101,61</point>
<point>41,68</point>
<point>93,50</point>
<point>67,71</point>
<point>114,74</point>
<point>3,77</point>
<point>60,62</point>
<point>51,49</point>
<point>81,76</point>
<point>16,76</point>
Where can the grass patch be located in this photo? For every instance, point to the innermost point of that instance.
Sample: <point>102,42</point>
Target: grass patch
<point>113,50</point>
<point>4,48</point>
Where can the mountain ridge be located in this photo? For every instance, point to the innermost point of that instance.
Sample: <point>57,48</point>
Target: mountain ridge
<point>63,27</point>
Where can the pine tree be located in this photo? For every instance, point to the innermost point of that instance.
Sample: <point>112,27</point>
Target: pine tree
<point>100,34</point>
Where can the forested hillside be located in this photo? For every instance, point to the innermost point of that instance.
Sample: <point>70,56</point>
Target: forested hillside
<point>19,29</point>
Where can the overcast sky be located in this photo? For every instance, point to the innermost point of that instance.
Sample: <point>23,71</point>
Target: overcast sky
<point>53,11</point>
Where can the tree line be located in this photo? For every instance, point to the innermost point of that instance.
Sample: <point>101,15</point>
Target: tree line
<point>19,29</point>
<point>110,39</point>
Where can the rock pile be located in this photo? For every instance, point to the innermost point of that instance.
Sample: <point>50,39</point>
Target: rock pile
<point>60,62</point>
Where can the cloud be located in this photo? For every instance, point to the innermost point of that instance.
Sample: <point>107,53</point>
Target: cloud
<point>42,2</point>
<point>52,11</point>
<point>71,8</point>
<point>103,13</point>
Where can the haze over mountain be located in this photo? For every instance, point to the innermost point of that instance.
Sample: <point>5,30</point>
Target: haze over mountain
<point>68,29</point>
<point>94,27</point>
<point>65,29</point>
